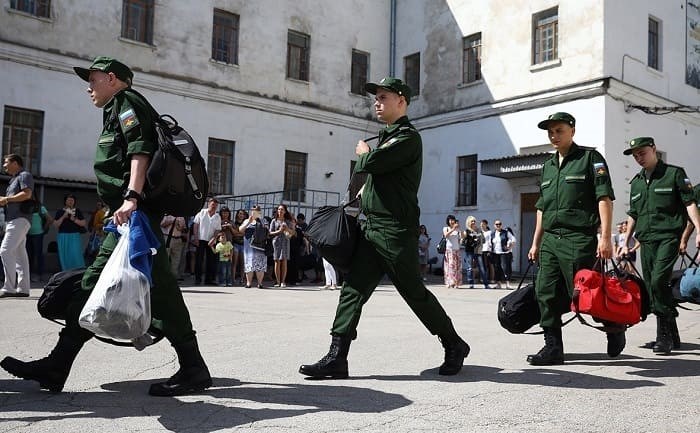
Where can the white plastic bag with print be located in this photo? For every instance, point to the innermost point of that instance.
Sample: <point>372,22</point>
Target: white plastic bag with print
<point>120,304</point>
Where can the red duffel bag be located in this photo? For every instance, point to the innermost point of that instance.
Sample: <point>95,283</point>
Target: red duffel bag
<point>605,296</point>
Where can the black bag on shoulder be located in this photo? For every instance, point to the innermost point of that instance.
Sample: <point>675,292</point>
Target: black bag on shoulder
<point>442,246</point>
<point>334,233</point>
<point>260,235</point>
<point>176,179</point>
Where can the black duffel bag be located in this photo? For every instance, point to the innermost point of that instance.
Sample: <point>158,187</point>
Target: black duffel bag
<point>334,233</point>
<point>518,311</point>
<point>58,292</point>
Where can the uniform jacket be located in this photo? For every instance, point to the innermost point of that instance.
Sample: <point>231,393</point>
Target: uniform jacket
<point>128,130</point>
<point>659,206</point>
<point>569,194</point>
<point>394,172</point>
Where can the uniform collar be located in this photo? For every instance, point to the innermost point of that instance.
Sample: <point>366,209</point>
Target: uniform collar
<point>394,126</point>
<point>658,171</point>
<point>575,148</point>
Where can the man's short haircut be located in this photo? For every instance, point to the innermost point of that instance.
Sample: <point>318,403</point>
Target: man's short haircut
<point>13,157</point>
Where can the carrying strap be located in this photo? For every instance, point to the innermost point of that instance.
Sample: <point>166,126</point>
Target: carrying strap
<point>170,233</point>
<point>530,264</point>
<point>159,337</point>
<point>693,262</point>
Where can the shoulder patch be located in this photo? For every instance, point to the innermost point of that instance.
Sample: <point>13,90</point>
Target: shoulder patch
<point>688,183</point>
<point>128,119</point>
<point>600,169</point>
<point>389,143</point>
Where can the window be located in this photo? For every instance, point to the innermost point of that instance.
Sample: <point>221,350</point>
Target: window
<point>294,176</point>
<point>411,77</point>
<point>471,58</point>
<point>545,35</point>
<point>38,8</point>
<point>224,38</point>
<point>654,48</point>
<point>358,72</point>
<point>220,166</point>
<point>298,55</point>
<point>466,172</point>
<point>22,131</point>
<point>137,20</point>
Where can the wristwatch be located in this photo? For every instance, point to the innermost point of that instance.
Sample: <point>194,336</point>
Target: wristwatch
<point>130,193</point>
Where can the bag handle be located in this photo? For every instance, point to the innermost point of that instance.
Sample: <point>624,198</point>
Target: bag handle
<point>159,336</point>
<point>530,265</point>
<point>600,265</point>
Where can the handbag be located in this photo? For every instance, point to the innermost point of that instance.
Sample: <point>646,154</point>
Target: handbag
<point>609,297</point>
<point>334,233</point>
<point>442,245</point>
<point>685,282</point>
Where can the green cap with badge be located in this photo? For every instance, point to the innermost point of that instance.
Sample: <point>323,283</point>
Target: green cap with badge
<point>637,143</point>
<point>557,117</point>
<point>106,65</point>
<point>391,84</point>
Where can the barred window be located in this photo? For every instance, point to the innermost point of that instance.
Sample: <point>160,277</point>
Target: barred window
<point>471,58</point>
<point>654,48</point>
<point>298,55</point>
<point>411,66</point>
<point>224,39</point>
<point>137,20</point>
<point>466,180</point>
<point>358,72</point>
<point>294,176</point>
<point>545,36</point>
<point>22,133</point>
<point>220,166</point>
<point>38,8</point>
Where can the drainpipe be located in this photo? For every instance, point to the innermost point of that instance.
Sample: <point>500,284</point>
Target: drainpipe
<point>392,39</point>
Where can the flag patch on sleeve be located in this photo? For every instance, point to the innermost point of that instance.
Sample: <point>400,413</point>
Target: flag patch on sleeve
<point>600,169</point>
<point>688,183</point>
<point>128,119</point>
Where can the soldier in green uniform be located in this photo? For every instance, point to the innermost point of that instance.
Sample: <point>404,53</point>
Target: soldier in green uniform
<point>123,153</point>
<point>661,200</point>
<point>389,240</point>
<point>575,199</point>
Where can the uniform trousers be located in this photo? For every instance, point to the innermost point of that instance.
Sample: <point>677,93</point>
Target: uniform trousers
<point>561,255</point>
<point>15,261</point>
<point>658,258</point>
<point>387,247</point>
<point>168,308</point>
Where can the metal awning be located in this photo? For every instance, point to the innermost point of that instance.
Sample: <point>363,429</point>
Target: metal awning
<point>516,166</point>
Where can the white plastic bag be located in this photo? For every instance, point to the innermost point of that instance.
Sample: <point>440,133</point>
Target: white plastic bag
<point>120,304</point>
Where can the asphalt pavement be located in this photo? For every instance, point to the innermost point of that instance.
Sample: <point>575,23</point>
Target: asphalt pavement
<point>255,339</point>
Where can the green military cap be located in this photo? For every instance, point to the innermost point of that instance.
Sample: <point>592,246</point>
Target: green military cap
<point>391,84</point>
<point>637,143</point>
<point>107,65</point>
<point>557,117</point>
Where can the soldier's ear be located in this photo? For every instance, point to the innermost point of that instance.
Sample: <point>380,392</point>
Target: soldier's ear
<point>573,131</point>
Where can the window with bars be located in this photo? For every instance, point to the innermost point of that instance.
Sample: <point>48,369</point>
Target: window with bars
<point>137,20</point>
<point>22,133</point>
<point>38,8</point>
<point>466,180</point>
<point>545,30</point>
<point>220,166</point>
<point>358,72</point>
<point>294,176</point>
<point>411,65</point>
<point>654,48</point>
<point>224,38</point>
<point>471,58</point>
<point>298,55</point>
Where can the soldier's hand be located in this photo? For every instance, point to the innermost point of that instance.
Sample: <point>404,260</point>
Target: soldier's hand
<point>121,215</point>
<point>604,248</point>
<point>533,254</point>
<point>697,240</point>
<point>682,248</point>
<point>361,148</point>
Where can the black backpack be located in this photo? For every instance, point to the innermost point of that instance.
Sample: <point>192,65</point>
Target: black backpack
<point>176,179</point>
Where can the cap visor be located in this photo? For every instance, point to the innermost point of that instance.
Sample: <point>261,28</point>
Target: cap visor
<point>544,124</point>
<point>371,88</point>
<point>82,73</point>
<point>628,151</point>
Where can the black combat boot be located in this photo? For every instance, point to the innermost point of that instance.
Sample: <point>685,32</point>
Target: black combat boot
<point>675,336</point>
<point>664,339</point>
<point>456,350</point>
<point>51,372</point>
<point>335,364</point>
<point>616,339</point>
<point>553,351</point>
<point>193,375</point>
